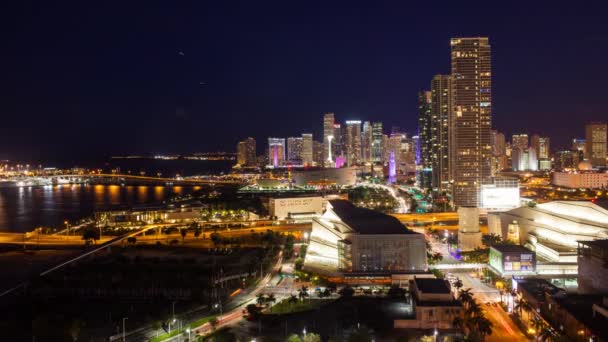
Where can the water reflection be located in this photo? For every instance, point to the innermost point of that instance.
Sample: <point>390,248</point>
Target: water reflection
<point>25,208</point>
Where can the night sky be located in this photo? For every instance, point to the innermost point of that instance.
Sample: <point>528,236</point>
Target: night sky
<point>91,79</point>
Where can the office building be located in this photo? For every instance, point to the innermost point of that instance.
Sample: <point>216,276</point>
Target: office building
<point>541,146</point>
<point>353,142</point>
<point>499,152</point>
<point>317,153</point>
<point>520,141</point>
<point>596,140</point>
<point>366,142</point>
<point>427,140</point>
<point>568,159</point>
<point>579,145</point>
<point>524,159</point>
<point>377,142</point>
<point>471,118</point>
<point>276,152</point>
<point>583,178</point>
<point>441,107</point>
<point>348,239</point>
<point>294,150</point>
<point>329,139</point>
<point>246,152</point>
<point>307,145</point>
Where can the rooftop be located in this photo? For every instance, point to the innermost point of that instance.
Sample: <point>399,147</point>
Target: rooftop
<point>509,248</point>
<point>601,244</point>
<point>367,221</point>
<point>537,287</point>
<point>580,306</point>
<point>430,285</point>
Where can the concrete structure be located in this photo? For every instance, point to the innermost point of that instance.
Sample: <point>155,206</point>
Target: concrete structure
<point>593,267</point>
<point>287,207</point>
<point>501,194</point>
<point>339,177</point>
<point>524,159</point>
<point>580,179</point>
<point>434,305</point>
<point>596,140</point>
<point>246,152</point>
<point>351,240</point>
<point>469,235</point>
<point>471,118</point>
<point>512,260</point>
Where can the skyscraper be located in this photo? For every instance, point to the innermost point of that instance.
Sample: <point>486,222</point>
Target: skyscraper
<point>353,142</point>
<point>246,152</point>
<point>294,150</point>
<point>366,142</point>
<point>377,139</point>
<point>596,137</point>
<point>427,158</point>
<point>499,152</point>
<point>276,152</point>
<point>441,107</point>
<point>520,141</point>
<point>471,118</point>
<point>307,145</point>
<point>317,152</point>
<point>541,145</point>
<point>328,143</point>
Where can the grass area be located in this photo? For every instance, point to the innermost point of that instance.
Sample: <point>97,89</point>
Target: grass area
<point>176,332</point>
<point>284,307</point>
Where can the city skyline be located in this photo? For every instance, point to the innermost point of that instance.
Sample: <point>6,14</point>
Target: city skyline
<point>160,89</point>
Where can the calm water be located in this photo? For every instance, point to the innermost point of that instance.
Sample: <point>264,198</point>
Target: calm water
<point>23,209</point>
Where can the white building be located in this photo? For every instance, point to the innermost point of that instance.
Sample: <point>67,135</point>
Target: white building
<point>585,177</point>
<point>295,206</point>
<point>349,240</point>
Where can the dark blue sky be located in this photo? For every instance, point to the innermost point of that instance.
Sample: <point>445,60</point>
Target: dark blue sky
<point>84,79</point>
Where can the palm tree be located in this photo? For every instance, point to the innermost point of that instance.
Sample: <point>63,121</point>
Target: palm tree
<point>484,327</point>
<point>466,297</point>
<point>303,292</point>
<point>292,299</point>
<point>271,299</point>
<point>538,324</point>
<point>261,299</point>
<point>458,285</point>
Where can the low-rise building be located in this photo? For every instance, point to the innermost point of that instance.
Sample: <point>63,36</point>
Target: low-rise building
<point>292,207</point>
<point>512,260</point>
<point>434,304</point>
<point>348,240</point>
<point>593,266</point>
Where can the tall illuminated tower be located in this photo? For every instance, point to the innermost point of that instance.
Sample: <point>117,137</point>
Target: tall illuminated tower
<point>471,118</point>
<point>595,149</point>
<point>328,130</point>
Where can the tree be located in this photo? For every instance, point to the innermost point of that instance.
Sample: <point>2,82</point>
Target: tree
<point>346,292</point>
<point>298,263</point>
<point>75,328</point>
<point>197,229</point>
<point>90,234</point>
<point>183,232</point>
<point>458,285</point>
<point>216,239</point>
<point>292,299</point>
<point>303,292</point>
<point>293,338</point>
<point>261,299</point>
<point>491,239</point>
<point>271,299</point>
<point>311,337</point>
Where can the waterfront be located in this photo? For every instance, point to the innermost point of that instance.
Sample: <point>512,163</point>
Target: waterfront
<point>25,208</point>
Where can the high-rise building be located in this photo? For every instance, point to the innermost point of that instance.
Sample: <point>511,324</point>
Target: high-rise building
<point>329,139</point>
<point>520,141</point>
<point>596,137</point>
<point>353,142</point>
<point>499,152</point>
<point>386,148</point>
<point>394,146</point>
<point>246,152</point>
<point>294,150</point>
<point>366,142</point>
<point>441,107</point>
<point>579,145</point>
<point>541,145</point>
<point>377,140</point>
<point>307,157</point>
<point>317,152</point>
<point>568,159</point>
<point>427,138</point>
<point>471,118</point>
<point>524,159</point>
<point>276,152</point>
<point>338,142</point>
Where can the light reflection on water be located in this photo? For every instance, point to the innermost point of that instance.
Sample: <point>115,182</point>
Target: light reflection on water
<point>25,208</point>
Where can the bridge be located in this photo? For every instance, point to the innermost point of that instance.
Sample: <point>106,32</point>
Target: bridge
<point>123,178</point>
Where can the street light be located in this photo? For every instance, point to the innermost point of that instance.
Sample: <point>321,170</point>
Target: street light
<point>435,335</point>
<point>188,331</point>
<point>304,331</point>
<point>123,328</point>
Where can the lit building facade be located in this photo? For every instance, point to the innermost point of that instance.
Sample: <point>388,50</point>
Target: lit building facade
<point>524,159</point>
<point>377,142</point>
<point>294,150</point>
<point>441,107</point>
<point>317,153</point>
<point>328,131</point>
<point>596,140</point>
<point>246,152</point>
<point>471,118</point>
<point>366,142</point>
<point>276,152</point>
<point>307,145</point>
<point>427,134</point>
<point>353,142</point>
<point>347,239</point>
<point>520,141</point>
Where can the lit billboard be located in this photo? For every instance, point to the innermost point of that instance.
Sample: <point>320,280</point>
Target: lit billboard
<point>499,198</point>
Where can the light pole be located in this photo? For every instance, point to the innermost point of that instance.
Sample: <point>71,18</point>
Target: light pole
<point>435,335</point>
<point>173,304</point>
<point>123,328</point>
<point>188,331</point>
